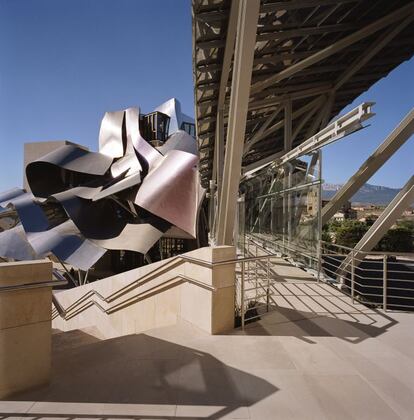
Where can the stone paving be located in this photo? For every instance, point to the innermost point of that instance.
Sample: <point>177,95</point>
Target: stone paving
<point>316,356</point>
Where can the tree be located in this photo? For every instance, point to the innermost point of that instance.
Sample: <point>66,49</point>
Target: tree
<point>326,236</point>
<point>370,219</point>
<point>408,224</point>
<point>350,233</point>
<point>399,239</point>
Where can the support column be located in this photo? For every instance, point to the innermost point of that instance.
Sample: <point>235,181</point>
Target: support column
<point>219,149</point>
<point>287,179</point>
<point>248,15</point>
<point>218,158</point>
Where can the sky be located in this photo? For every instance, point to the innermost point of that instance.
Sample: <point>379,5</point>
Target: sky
<point>64,63</point>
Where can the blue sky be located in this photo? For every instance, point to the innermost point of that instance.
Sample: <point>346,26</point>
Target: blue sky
<point>63,63</point>
<point>394,97</point>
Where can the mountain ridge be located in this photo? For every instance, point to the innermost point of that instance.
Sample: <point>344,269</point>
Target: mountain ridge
<point>368,193</point>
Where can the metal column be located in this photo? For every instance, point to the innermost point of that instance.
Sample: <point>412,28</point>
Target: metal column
<point>225,71</point>
<point>218,159</point>
<point>248,15</point>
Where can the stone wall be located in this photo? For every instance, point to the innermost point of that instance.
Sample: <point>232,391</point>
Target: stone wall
<point>162,300</point>
<point>25,326</point>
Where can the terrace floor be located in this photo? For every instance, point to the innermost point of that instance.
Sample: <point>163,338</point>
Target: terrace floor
<point>317,356</point>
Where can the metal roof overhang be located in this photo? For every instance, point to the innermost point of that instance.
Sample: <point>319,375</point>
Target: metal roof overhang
<point>307,53</point>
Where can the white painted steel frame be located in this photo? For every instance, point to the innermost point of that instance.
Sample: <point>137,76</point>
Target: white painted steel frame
<point>248,15</point>
<point>390,145</point>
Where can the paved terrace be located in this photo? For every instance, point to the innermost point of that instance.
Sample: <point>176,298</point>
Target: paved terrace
<point>316,356</point>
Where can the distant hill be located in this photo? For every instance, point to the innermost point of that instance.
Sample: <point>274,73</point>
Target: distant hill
<point>368,194</point>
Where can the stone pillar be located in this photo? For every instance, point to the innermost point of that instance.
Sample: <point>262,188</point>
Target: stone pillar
<point>210,310</point>
<point>25,325</point>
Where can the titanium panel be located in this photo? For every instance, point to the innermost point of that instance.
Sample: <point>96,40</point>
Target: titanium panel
<point>124,197</point>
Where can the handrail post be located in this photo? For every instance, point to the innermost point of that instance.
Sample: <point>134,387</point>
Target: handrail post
<point>268,285</point>
<point>384,283</point>
<point>255,272</point>
<point>242,296</point>
<point>352,276</point>
<point>319,261</point>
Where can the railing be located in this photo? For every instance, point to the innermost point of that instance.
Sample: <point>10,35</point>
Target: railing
<point>383,279</point>
<point>254,283</point>
<point>60,281</point>
<point>371,278</point>
<point>249,282</point>
<point>87,299</point>
<point>298,252</point>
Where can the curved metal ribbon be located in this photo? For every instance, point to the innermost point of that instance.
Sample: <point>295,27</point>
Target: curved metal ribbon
<point>170,190</point>
<point>124,197</point>
<point>64,167</point>
<point>64,240</point>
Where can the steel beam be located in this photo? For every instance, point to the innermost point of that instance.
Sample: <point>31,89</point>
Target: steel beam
<point>302,123</point>
<point>301,111</point>
<point>248,15</point>
<point>391,144</point>
<point>259,133</point>
<point>380,227</point>
<point>387,218</point>
<point>255,166</point>
<point>293,5</point>
<point>339,128</point>
<point>218,157</point>
<point>370,29</point>
<point>287,136</point>
<point>374,49</point>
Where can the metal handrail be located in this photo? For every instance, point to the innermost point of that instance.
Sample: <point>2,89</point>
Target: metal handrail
<point>259,285</point>
<point>173,262</point>
<point>342,271</point>
<point>69,313</point>
<point>396,254</point>
<point>37,285</point>
<point>61,281</point>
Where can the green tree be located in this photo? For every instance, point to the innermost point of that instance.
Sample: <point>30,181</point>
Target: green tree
<point>326,236</point>
<point>350,232</point>
<point>399,239</point>
<point>370,219</point>
<point>408,224</point>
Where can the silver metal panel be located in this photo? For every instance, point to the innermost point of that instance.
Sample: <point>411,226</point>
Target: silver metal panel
<point>66,242</point>
<point>180,140</point>
<point>95,219</point>
<point>128,165</point>
<point>124,183</point>
<point>170,191</point>
<point>30,214</point>
<point>141,146</point>
<point>172,108</point>
<point>14,244</point>
<point>76,159</point>
<point>8,196</point>
<point>110,134</point>
<point>83,202</point>
<point>138,238</point>
<point>86,192</point>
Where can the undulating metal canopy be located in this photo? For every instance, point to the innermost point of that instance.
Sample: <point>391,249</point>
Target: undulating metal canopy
<point>311,59</point>
<point>124,197</point>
